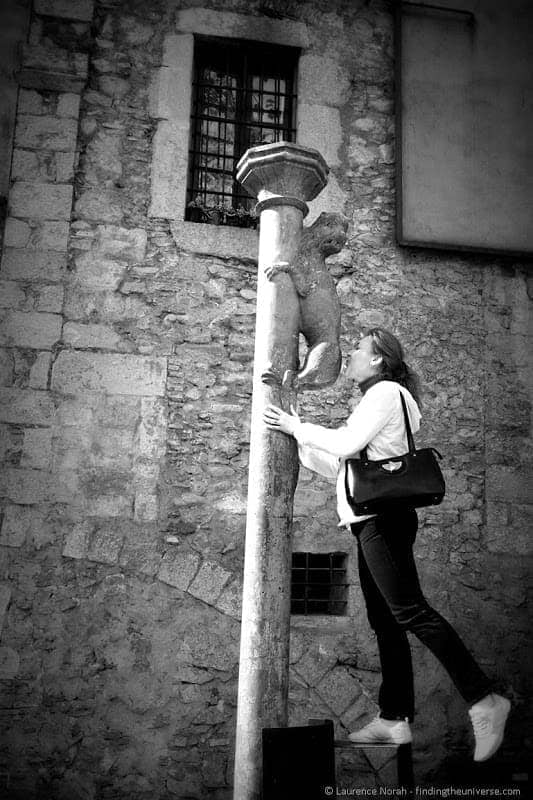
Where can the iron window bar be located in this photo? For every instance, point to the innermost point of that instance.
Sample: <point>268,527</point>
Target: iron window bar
<point>319,584</point>
<point>243,95</point>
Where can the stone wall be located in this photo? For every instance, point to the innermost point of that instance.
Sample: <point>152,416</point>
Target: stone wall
<point>127,344</point>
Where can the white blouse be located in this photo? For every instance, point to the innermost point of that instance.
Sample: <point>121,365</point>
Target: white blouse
<point>377,423</point>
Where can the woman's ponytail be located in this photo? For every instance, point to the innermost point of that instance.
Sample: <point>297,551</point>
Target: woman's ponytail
<point>410,380</point>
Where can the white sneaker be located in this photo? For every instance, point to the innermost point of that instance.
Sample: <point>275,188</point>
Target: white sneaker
<point>383,731</point>
<point>488,720</point>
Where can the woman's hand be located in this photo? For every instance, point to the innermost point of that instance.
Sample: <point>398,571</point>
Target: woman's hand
<point>278,420</point>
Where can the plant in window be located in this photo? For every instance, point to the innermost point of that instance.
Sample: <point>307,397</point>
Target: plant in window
<point>220,214</point>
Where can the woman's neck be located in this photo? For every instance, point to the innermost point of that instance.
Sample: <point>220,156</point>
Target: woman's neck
<point>365,385</point>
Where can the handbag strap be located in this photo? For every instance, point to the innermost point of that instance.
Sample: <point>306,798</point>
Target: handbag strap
<point>410,437</point>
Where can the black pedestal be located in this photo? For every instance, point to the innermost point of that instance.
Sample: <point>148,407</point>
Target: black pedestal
<point>298,763</point>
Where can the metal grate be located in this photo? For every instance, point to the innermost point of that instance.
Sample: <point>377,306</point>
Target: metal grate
<point>243,96</point>
<point>319,583</point>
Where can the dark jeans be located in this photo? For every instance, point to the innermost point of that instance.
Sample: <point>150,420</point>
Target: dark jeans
<point>395,604</point>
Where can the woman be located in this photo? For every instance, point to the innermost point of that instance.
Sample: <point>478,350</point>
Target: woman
<point>389,581</point>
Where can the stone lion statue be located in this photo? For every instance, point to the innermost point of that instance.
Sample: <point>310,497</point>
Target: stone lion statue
<point>320,313</point>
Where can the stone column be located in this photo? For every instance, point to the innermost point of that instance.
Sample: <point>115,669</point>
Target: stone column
<point>283,176</point>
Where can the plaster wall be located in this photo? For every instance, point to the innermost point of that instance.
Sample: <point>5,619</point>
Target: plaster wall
<point>465,96</point>
<point>126,362</point>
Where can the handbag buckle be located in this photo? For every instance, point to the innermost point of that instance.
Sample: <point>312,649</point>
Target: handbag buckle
<point>392,466</point>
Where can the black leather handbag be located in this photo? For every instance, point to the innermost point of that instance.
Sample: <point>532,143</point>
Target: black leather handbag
<point>412,480</point>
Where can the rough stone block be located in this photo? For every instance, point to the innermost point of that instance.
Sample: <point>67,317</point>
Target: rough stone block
<point>40,370</point>
<point>16,233</point>
<point>141,550</point>
<point>49,235</point>
<point>65,167</point>
<point>146,508</point>
<point>76,541</point>
<point>52,69</point>
<point>339,689</point>
<point>94,336</point>
<point>76,412</point>
<point>103,157</point>
<point>44,235</point>
<point>28,329</point>
<point>98,273</point>
<point>112,86</point>
<point>27,265</point>
<point>178,568</point>
<point>314,663</point>
<point>49,298</point>
<point>81,10</point>
<point>37,448</point>
<point>216,240</point>
<point>5,597</point>
<point>20,523</point>
<point>209,582</point>
<point>15,525</point>
<point>112,448</point>
<point>118,412</point>
<point>104,544</point>
<point>26,407</point>
<point>109,505</point>
<point>42,166</point>
<point>27,486</point>
<point>32,102</point>
<point>11,295</point>
<point>68,105</point>
<point>146,474</point>
<point>9,663</point>
<point>242,26</point>
<point>136,32</point>
<point>76,372</point>
<point>152,430</point>
<point>6,368</point>
<point>46,132</point>
<point>30,166</point>
<point>100,205</point>
<point>126,244</point>
<point>232,503</point>
<point>230,601</point>
<point>40,200</point>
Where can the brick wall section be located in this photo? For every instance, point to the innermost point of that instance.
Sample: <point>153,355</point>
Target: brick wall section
<point>126,358</point>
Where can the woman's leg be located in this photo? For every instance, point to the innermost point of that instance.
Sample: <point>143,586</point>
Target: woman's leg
<point>396,694</point>
<point>386,543</point>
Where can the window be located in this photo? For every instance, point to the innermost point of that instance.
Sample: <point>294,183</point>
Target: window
<point>319,583</point>
<point>243,96</point>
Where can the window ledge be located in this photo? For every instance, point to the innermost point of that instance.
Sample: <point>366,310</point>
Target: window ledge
<point>216,240</point>
<point>322,622</point>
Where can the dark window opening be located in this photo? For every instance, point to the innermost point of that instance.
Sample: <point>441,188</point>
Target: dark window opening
<point>319,584</point>
<point>243,96</point>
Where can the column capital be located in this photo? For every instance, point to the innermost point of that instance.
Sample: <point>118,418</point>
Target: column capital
<point>282,173</point>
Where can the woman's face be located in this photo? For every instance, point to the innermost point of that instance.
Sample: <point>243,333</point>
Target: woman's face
<point>360,364</point>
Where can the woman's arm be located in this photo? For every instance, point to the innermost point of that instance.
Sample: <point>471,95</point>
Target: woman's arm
<point>318,461</point>
<point>367,419</point>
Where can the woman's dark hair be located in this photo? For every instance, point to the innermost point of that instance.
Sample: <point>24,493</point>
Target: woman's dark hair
<point>394,368</point>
